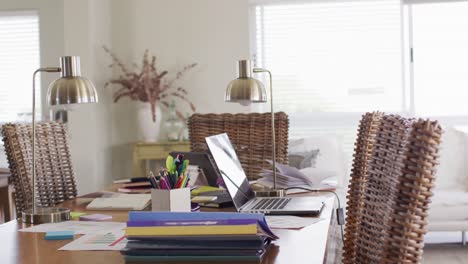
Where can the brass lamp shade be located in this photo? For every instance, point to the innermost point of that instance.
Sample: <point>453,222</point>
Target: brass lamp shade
<point>71,87</point>
<point>245,89</point>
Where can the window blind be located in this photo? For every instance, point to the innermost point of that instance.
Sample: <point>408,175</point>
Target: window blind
<point>19,58</point>
<point>336,56</point>
<point>331,61</point>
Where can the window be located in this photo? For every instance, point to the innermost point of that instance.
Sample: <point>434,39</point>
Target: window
<point>333,60</point>
<point>440,46</point>
<point>340,56</point>
<point>19,58</point>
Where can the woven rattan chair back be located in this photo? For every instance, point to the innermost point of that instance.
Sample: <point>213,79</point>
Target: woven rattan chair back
<point>363,148</point>
<point>55,181</point>
<point>250,135</point>
<point>390,223</point>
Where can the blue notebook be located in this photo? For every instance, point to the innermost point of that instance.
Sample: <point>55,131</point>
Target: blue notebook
<point>171,216</point>
<point>138,216</point>
<point>154,259</point>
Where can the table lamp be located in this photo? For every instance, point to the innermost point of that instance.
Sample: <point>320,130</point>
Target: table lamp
<point>245,90</point>
<point>70,88</point>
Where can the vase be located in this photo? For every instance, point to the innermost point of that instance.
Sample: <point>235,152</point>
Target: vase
<point>173,124</point>
<point>148,130</point>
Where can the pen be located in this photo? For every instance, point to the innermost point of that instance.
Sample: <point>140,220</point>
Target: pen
<point>156,183</point>
<point>176,177</point>
<point>179,182</point>
<point>169,184</point>
<point>150,173</point>
<point>166,183</point>
<point>163,183</point>
<point>153,185</point>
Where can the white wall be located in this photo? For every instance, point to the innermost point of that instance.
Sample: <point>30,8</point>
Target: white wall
<point>87,26</point>
<point>78,28</point>
<point>212,33</point>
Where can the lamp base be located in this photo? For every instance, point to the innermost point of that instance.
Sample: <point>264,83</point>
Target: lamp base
<point>270,193</point>
<point>44,215</point>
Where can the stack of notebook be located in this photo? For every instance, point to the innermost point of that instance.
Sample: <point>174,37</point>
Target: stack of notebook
<point>179,236</point>
<point>136,187</point>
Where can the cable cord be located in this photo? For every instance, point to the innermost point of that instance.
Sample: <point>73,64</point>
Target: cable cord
<point>339,210</point>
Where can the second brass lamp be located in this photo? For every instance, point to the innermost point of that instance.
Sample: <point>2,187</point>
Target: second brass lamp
<point>245,90</point>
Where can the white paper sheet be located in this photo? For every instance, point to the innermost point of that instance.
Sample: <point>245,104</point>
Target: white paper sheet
<point>121,202</point>
<point>79,227</point>
<point>111,240</point>
<point>289,221</point>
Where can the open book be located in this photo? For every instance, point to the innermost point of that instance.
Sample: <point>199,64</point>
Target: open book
<point>287,176</point>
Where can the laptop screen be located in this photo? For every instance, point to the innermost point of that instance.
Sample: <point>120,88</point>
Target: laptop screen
<point>230,168</point>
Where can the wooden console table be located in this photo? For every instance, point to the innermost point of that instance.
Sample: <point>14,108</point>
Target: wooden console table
<point>144,151</point>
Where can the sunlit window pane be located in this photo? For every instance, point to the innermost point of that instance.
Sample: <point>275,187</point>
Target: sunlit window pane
<point>19,58</point>
<point>332,56</point>
<point>441,58</point>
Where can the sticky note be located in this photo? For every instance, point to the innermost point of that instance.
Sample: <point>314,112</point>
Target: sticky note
<point>96,217</point>
<point>76,215</point>
<point>59,235</point>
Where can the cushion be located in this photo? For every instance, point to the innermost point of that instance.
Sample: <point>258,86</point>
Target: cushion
<point>304,159</point>
<point>453,197</point>
<point>451,170</point>
<point>448,213</point>
<point>3,158</point>
<point>329,158</point>
<point>449,205</point>
<point>321,177</point>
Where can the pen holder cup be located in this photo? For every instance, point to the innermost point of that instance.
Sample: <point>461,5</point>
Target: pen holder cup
<point>175,200</point>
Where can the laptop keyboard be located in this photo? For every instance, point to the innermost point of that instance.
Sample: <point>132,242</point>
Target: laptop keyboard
<point>271,204</point>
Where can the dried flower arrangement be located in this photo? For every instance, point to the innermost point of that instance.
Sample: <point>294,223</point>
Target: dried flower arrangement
<point>148,84</point>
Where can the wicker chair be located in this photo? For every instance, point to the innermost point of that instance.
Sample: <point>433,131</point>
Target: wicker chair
<point>391,182</point>
<point>364,146</point>
<point>55,181</point>
<point>250,135</point>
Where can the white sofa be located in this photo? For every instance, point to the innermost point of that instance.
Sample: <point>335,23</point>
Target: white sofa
<point>449,207</point>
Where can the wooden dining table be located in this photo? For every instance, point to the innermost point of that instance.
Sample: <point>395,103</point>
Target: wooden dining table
<point>307,245</point>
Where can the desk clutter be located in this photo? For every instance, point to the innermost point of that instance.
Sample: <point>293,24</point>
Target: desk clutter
<point>136,187</point>
<point>173,176</point>
<point>165,191</point>
<point>165,236</point>
<point>287,177</point>
<point>169,190</point>
<point>207,196</point>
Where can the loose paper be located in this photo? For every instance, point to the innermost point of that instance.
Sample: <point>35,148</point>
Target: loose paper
<point>111,240</point>
<point>79,227</point>
<point>290,222</point>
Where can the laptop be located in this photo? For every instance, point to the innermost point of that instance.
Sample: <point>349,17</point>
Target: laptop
<point>242,195</point>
